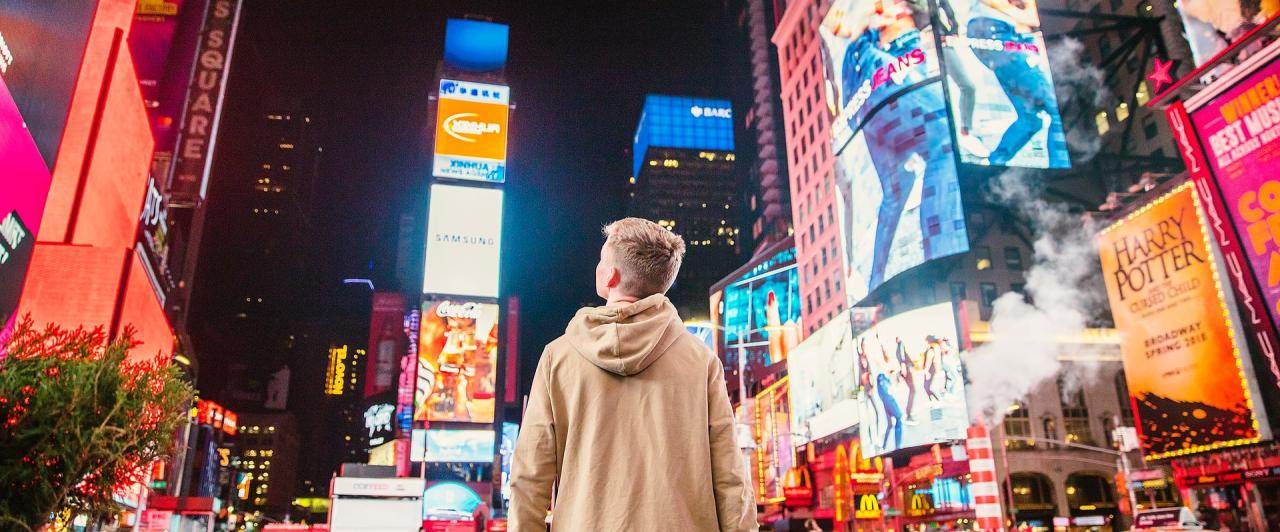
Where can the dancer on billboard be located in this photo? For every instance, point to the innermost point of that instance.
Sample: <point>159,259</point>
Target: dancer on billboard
<point>892,412</point>
<point>931,366</point>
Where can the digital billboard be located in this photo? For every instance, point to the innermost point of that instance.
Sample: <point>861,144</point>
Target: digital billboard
<point>1185,368</point>
<point>42,45</point>
<point>386,342</point>
<point>471,131</point>
<point>1238,131</point>
<point>682,122</point>
<point>901,207</point>
<point>378,423</point>
<point>999,44</point>
<point>464,241</point>
<point>911,385</point>
<point>1212,25</point>
<point>759,310</point>
<point>507,450</point>
<point>475,45</point>
<point>457,361</point>
<point>25,182</point>
<point>774,453</point>
<point>824,383</point>
<point>450,445</point>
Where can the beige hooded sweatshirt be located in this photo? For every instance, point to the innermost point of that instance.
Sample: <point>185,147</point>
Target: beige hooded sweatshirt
<point>628,419</point>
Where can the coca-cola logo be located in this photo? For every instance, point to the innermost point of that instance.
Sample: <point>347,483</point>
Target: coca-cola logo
<point>449,309</point>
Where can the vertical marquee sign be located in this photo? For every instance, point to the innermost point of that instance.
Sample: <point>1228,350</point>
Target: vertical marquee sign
<point>204,102</point>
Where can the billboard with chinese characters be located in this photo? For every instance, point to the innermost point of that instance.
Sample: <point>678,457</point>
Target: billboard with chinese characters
<point>824,383</point>
<point>1187,371</point>
<point>454,445</point>
<point>386,342</point>
<point>884,93</point>
<point>464,241</point>
<point>457,361</point>
<point>911,387</point>
<point>758,311</point>
<point>471,131</point>
<point>1000,86</point>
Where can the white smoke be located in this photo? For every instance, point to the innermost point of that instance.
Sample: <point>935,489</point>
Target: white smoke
<point>1062,290</point>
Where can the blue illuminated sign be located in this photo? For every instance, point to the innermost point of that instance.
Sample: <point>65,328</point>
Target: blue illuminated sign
<point>475,45</point>
<point>683,122</point>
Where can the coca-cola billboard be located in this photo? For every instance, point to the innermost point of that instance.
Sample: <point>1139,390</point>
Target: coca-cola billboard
<point>457,361</point>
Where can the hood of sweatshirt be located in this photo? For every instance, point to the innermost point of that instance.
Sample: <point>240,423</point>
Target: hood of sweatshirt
<point>625,339</point>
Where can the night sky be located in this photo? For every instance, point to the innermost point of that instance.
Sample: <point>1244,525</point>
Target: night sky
<point>578,72</point>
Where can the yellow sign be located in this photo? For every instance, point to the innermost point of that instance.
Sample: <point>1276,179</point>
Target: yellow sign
<point>868,507</point>
<point>335,379</point>
<point>1181,357</point>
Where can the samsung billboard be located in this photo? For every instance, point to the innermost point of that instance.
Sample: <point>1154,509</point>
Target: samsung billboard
<point>464,241</point>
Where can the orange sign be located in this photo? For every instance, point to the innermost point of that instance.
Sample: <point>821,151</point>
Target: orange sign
<point>471,131</point>
<point>1181,357</point>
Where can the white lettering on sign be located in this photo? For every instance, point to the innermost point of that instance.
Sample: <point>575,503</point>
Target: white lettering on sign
<point>449,309</point>
<point>6,55</point>
<point>459,127</point>
<point>378,417</point>
<point>11,230</point>
<point>699,111</point>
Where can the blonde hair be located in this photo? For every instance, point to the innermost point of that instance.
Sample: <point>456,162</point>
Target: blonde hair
<point>647,255</point>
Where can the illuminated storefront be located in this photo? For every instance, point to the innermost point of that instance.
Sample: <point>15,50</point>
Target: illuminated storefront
<point>933,489</point>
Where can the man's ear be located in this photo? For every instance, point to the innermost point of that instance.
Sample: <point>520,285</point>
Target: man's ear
<point>615,277</point>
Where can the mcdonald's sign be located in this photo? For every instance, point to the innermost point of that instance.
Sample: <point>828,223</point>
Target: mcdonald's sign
<point>868,507</point>
<point>798,488</point>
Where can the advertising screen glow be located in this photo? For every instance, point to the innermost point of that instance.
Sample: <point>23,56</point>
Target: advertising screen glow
<point>911,383</point>
<point>901,207</point>
<point>1000,86</point>
<point>25,182</point>
<point>824,383</point>
<point>475,45</point>
<point>1239,132</point>
<point>774,454</point>
<point>386,342</point>
<point>464,241</point>
<point>447,445</point>
<point>1212,25</point>
<point>760,311</point>
<point>471,131</point>
<point>457,361</point>
<point>682,122</point>
<point>1180,354</point>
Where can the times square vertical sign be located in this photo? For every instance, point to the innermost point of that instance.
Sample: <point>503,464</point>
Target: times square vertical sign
<point>204,103</point>
<point>1228,135</point>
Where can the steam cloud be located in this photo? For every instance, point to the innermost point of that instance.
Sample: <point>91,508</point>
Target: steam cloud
<point>1061,285</point>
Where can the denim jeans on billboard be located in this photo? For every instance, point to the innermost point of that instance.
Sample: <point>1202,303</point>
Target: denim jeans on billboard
<point>892,412</point>
<point>1029,90</point>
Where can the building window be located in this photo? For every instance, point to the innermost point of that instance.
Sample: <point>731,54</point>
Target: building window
<point>1050,427</point>
<point>1151,130</point>
<point>1109,430</point>
<point>1104,124</point>
<point>1032,491</point>
<point>1075,417</point>
<point>988,294</point>
<point>958,292</point>
<point>982,254</point>
<point>1143,95</point>
<point>1089,492</point>
<point>1018,288</point>
<point>1013,258</point>
<point>1017,428</point>
<point>1122,395</point>
<point>824,256</point>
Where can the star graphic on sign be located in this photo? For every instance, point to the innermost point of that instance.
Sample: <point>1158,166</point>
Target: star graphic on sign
<point>1159,75</point>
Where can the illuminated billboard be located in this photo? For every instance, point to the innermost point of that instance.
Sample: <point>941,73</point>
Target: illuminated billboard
<point>471,131</point>
<point>1186,372</point>
<point>464,241</point>
<point>457,361</point>
<point>824,383</point>
<point>682,122</point>
<point>378,423</point>
<point>449,445</point>
<point>774,453</point>
<point>912,386</point>
<point>335,374</point>
<point>759,310</point>
<point>386,342</point>
<point>990,45</point>
<point>25,182</point>
<point>1212,25</point>
<point>901,207</point>
<point>475,45</point>
<point>203,112</point>
<point>507,451</point>
<point>42,46</point>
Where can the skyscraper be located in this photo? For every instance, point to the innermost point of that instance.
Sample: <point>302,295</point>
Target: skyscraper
<point>683,179</point>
